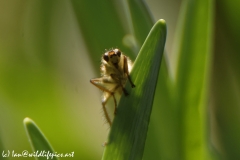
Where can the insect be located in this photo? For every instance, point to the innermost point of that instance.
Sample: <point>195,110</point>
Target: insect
<point>115,70</point>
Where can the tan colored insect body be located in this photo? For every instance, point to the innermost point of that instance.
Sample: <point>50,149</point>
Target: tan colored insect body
<point>115,70</point>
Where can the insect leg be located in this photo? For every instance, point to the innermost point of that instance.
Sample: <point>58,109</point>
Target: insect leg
<point>124,91</point>
<point>115,102</point>
<point>105,112</point>
<point>101,83</point>
<point>120,85</point>
<point>127,71</point>
<point>98,82</point>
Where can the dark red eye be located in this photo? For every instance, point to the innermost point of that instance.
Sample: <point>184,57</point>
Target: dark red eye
<point>119,53</point>
<point>105,57</point>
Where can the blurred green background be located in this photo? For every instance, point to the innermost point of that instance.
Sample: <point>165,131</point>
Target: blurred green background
<point>45,68</point>
<point>46,62</point>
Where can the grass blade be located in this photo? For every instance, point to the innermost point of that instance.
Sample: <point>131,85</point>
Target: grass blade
<point>140,19</point>
<point>193,51</point>
<point>129,130</point>
<point>101,27</point>
<point>225,85</point>
<point>163,138</point>
<point>37,139</point>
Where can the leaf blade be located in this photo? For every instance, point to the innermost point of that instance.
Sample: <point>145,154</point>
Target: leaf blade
<point>134,111</point>
<point>37,139</point>
<point>193,52</point>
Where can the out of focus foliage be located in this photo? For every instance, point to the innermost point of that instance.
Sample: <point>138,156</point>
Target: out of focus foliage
<point>50,49</point>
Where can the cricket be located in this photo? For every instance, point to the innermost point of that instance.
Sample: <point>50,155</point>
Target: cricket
<point>115,68</point>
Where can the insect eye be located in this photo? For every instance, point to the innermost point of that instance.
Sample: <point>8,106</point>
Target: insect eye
<point>106,58</point>
<point>119,53</point>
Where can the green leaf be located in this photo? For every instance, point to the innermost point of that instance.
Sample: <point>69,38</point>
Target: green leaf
<point>164,122</point>
<point>163,141</point>
<point>101,27</point>
<point>37,139</point>
<point>129,130</point>
<point>225,85</point>
<point>193,51</point>
<point>140,19</point>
